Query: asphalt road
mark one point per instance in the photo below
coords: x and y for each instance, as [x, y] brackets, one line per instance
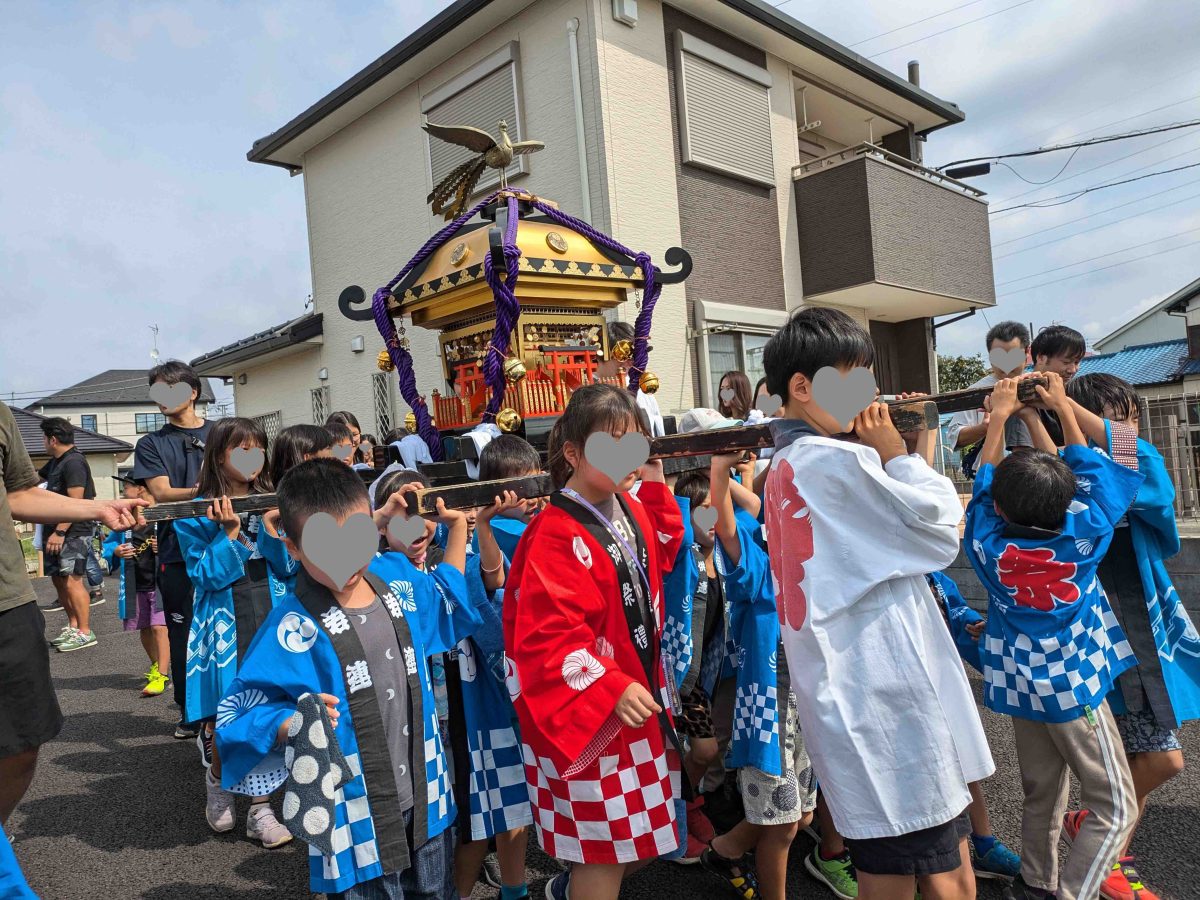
[117, 808]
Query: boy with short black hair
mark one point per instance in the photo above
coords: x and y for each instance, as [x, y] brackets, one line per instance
[1037, 529]
[344, 447]
[362, 643]
[168, 462]
[887, 714]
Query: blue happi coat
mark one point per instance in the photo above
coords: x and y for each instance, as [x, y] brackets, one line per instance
[498, 794]
[753, 628]
[280, 564]
[958, 616]
[214, 564]
[293, 655]
[1052, 649]
[1156, 539]
[126, 604]
[679, 589]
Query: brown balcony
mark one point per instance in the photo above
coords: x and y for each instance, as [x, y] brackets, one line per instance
[881, 232]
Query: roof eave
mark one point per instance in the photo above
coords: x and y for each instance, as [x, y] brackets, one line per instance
[265, 148]
[297, 333]
[429, 33]
[784, 24]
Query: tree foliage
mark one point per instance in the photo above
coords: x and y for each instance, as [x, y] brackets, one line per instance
[958, 372]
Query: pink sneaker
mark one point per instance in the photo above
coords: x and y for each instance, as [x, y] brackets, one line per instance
[218, 809]
[261, 825]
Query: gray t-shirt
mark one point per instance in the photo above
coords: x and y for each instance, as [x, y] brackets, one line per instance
[385, 662]
[1015, 432]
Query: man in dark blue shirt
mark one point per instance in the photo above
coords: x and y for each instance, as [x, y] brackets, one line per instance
[168, 462]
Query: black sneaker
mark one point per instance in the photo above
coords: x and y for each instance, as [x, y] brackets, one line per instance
[52, 606]
[96, 596]
[184, 731]
[204, 742]
[737, 873]
[1019, 890]
[489, 872]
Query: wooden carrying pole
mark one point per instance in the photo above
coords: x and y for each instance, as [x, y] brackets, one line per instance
[917, 414]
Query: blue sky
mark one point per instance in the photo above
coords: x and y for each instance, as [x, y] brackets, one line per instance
[127, 200]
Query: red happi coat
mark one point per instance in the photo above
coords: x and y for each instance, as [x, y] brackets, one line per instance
[601, 792]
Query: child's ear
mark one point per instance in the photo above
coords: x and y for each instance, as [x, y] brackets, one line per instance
[799, 388]
[291, 547]
[571, 454]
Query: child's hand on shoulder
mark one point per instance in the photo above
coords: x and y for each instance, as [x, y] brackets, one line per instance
[975, 629]
[636, 706]
[874, 428]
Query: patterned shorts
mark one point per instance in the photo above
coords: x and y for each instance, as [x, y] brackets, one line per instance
[695, 716]
[1141, 733]
[771, 800]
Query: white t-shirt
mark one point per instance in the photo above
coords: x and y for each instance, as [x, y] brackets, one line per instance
[886, 710]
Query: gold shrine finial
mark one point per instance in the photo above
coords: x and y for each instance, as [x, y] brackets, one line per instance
[454, 192]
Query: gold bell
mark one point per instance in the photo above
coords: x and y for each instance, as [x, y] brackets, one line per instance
[648, 383]
[410, 423]
[384, 361]
[514, 370]
[508, 420]
[622, 350]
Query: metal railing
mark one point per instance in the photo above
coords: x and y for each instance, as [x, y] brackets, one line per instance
[1172, 424]
[849, 154]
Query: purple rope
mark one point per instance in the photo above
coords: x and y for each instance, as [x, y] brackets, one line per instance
[508, 308]
[650, 290]
[400, 357]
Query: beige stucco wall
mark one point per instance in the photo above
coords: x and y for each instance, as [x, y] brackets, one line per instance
[643, 203]
[115, 421]
[365, 189]
[283, 385]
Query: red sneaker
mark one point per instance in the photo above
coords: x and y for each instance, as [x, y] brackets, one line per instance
[698, 824]
[1124, 883]
[1072, 822]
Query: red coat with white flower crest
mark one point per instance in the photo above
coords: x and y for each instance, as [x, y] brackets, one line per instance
[569, 658]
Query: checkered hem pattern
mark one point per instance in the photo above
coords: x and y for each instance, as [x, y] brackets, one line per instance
[619, 810]
[499, 798]
[756, 713]
[677, 646]
[437, 774]
[1054, 678]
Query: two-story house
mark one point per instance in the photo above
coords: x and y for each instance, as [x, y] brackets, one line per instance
[786, 164]
[115, 403]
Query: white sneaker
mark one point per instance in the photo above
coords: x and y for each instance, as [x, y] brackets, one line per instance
[261, 825]
[218, 809]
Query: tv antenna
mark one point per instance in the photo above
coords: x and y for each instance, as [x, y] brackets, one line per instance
[154, 352]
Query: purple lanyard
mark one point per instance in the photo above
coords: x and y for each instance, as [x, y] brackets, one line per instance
[608, 525]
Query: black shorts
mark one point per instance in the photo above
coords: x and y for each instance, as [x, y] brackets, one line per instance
[929, 851]
[29, 713]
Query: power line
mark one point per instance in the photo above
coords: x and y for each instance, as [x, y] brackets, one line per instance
[1098, 227]
[1132, 171]
[946, 30]
[1038, 204]
[1094, 258]
[1090, 142]
[1100, 269]
[1098, 212]
[1052, 178]
[910, 24]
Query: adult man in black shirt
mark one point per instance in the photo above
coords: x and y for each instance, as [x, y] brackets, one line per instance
[68, 546]
[168, 462]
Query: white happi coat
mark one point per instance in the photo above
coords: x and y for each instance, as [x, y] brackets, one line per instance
[886, 710]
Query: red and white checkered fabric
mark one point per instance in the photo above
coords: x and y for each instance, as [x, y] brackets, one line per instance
[618, 810]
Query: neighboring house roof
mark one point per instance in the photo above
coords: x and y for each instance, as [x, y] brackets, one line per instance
[458, 13]
[1175, 303]
[294, 331]
[30, 426]
[116, 386]
[1143, 364]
